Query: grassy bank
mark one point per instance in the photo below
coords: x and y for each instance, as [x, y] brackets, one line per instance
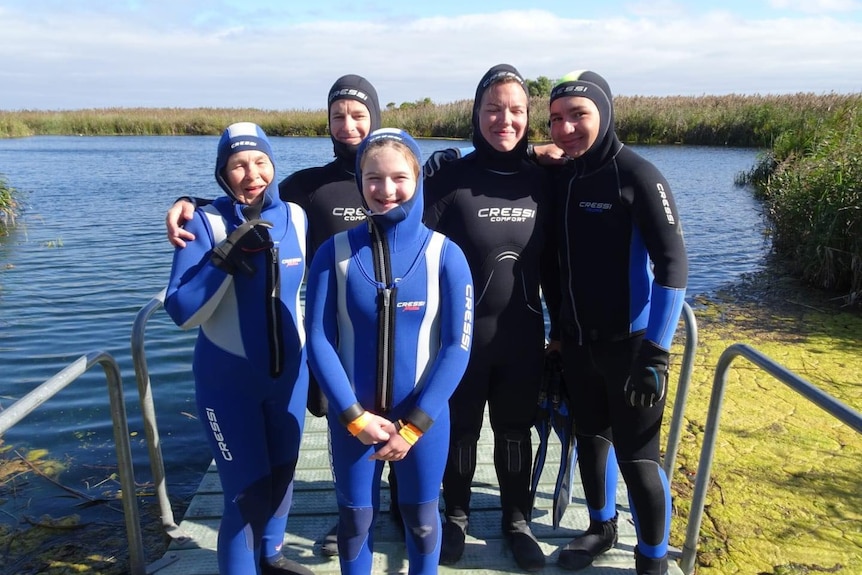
[784, 495]
[732, 120]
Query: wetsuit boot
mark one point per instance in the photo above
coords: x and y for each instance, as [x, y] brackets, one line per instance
[457, 481]
[580, 551]
[528, 555]
[281, 565]
[512, 460]
[453, 539]
[329, 544]
[650, 565]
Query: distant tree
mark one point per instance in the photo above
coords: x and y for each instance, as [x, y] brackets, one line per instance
[541, 86]
[390, 106]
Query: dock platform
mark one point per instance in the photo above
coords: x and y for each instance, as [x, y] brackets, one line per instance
[314, 512]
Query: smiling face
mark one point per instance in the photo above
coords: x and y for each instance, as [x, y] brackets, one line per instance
[349, 121]
[503, 115]
[575, 123]
[389, 176]
[248, 173]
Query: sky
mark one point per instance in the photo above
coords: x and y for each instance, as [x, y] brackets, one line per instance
[285, 54]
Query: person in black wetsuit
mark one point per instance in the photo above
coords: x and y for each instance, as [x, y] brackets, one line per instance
[492, 203]
[624, 271]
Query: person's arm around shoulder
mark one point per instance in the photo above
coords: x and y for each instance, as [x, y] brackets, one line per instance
[547, 154]
[176, 218]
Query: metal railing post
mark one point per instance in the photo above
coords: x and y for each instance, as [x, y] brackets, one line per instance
[148, 414]
[675, 430]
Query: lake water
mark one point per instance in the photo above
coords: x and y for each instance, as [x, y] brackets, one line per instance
[90, 251]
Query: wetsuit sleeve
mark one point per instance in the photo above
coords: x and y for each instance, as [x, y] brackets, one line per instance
[198, 202]
[438, 197]
[321, 308]
[456, 334]
[290, 191]
[657, 217]
[196, 285]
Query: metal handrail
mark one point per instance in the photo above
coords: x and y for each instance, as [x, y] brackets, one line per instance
[27, 404]
[823, 400]
[148, 415]
[675, 430]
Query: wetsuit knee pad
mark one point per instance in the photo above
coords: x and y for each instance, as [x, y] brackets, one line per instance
[513, 451]
[597, 460]
[255, 505]
[649, 497]
[354, 525]
[422, 521]
[282, 489]
[462, 457]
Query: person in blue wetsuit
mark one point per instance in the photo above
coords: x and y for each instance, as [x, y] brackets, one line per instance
[389, 307]
[239, 283]
[624, 270]
[494, 204]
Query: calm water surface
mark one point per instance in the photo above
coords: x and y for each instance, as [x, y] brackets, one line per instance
[90, 251]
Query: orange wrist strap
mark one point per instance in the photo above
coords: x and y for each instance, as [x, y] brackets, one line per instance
[356, 426]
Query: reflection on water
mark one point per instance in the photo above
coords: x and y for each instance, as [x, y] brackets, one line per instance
[90, 251]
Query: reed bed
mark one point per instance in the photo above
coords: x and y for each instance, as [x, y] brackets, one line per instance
[8, 205]
[811, 184]
[731, 120]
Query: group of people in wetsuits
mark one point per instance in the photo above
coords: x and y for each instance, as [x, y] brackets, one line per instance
[447, 262]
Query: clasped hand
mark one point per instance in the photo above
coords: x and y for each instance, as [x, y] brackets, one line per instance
[381, 431]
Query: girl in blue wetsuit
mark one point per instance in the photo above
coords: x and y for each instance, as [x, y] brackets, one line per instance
[239, 282]
[389, 311]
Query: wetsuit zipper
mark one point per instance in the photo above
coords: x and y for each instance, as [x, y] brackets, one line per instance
[386, 293]
[273, 313]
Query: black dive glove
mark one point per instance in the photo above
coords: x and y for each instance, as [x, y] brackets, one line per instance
[235, 253]
[647, 382]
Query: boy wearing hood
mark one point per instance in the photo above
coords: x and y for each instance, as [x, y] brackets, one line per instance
[624, 270]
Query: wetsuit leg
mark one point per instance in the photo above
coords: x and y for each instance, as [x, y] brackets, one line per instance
[419, 476]
[285, 417]
[587, 370]
[467, 409]
[357, 489]
[586, 385]
[253, 427]
[512, 398]
[229, 406]
[637, 443]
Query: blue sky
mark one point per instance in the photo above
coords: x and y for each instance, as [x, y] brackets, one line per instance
[280, 55]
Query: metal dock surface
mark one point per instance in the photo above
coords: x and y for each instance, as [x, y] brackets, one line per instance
[314, 513]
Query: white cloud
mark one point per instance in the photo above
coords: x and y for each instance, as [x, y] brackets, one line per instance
[63, 60]
[818, 6]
